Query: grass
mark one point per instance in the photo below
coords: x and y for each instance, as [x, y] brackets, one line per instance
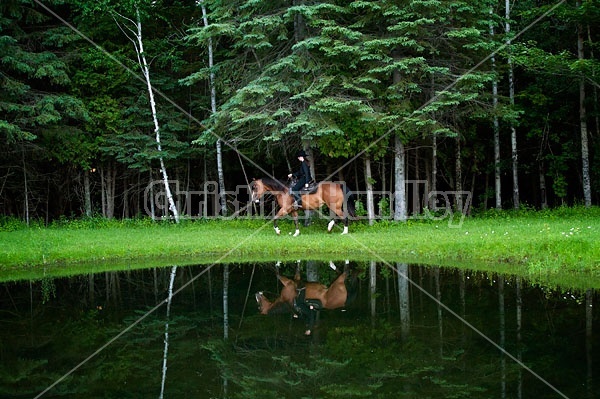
[559, 245]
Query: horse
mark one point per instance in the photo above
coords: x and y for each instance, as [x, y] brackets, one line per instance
[332, 194]
[307, 298]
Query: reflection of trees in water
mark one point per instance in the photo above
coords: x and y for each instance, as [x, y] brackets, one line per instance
[401, 347]
[352, 362]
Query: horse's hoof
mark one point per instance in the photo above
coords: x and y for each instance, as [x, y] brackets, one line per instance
[277, 231]
[345, 230]
[297, 233]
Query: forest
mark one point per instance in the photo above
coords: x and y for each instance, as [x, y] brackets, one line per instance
[103, 101]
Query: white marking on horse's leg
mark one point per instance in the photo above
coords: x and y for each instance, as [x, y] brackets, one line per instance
[345, 230]
[330, 225]
[297, 233]
[277, 231]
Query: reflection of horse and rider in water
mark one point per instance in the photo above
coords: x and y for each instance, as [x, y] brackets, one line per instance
[306, 298]
[304, 193]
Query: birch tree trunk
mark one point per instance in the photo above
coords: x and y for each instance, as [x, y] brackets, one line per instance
[87, 195]
[225, 301]
[459, 184]
[404, 299]
[373, 290]
[138, 43]
[519, 317]
[594, 87]
[213, 109]
[146, 72]
[368, 180]
[589, 322]
[496, 128]
[108, 176]
[166, 346]
[502, 331]
[400, 180]
[585, 152]
[434, 149]
[513, 130]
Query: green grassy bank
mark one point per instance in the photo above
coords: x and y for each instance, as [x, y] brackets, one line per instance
[558, 245]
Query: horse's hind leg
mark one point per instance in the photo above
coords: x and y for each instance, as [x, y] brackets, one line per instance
[339, 213]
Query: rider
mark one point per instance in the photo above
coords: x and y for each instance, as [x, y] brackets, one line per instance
[303, 176]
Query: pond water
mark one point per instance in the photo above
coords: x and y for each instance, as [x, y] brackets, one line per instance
[441, 333]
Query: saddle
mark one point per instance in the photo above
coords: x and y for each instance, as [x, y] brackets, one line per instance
[303, 306]
[309, 188]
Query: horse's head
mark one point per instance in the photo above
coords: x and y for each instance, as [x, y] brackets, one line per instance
[263, 303]
[258, 189]
[282, 304]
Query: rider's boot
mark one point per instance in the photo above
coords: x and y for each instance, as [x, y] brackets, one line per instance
[297, 201]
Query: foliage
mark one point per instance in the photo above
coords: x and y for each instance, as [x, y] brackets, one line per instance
[340, 77]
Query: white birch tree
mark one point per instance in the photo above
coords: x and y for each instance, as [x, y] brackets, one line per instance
[511, 94]
[213, 109]
[369, 184]
[496, 127]
[133, 30]
[400, 181]
[585, 152]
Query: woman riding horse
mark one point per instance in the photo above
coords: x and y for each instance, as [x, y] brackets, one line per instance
[308, 298]
[302, 177]
[335, 195]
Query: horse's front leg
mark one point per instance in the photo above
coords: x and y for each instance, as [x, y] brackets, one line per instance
[277, 231]
[295, 217]
[282, 212]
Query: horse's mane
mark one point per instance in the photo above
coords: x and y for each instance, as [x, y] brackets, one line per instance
[274, 184]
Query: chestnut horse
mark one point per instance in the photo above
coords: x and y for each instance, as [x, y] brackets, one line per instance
[332, 194]
[307, 298]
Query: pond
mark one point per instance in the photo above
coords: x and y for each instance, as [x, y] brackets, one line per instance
[410, 332]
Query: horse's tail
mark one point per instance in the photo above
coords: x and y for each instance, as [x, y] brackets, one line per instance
[349, 199]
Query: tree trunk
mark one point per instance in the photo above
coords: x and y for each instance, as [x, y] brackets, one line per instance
[404, 299]
[440, 314]
[459, 186]
[125, 212]
[213, 109]
[373, 289]
[519, 317]
[594, 87]
[496, 127]
[585, 152]
[87, 193]
[513, 130]
[399, 181]
[369, 184]
[502, 332]
[166, 340]
[589, 334]
[26, 188]
[108, 177]
[226, 301]
[146, 72]
[434, 160]
[543, 194]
